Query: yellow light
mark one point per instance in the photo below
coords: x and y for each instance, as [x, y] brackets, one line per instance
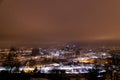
[38, 66]
[29, 70]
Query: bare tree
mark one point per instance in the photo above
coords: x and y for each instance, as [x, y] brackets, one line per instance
[11, 60]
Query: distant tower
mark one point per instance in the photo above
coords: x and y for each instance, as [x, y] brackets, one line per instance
[35, 52]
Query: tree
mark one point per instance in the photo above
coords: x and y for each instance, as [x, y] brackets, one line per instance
[11, 60]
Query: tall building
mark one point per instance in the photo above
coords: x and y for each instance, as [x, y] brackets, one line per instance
[35, 52]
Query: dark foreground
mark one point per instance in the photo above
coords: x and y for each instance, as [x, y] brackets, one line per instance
[24, 76]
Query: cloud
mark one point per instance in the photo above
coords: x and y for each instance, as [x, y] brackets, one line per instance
[53, 21]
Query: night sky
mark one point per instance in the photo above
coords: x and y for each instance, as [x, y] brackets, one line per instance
[36, 22]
